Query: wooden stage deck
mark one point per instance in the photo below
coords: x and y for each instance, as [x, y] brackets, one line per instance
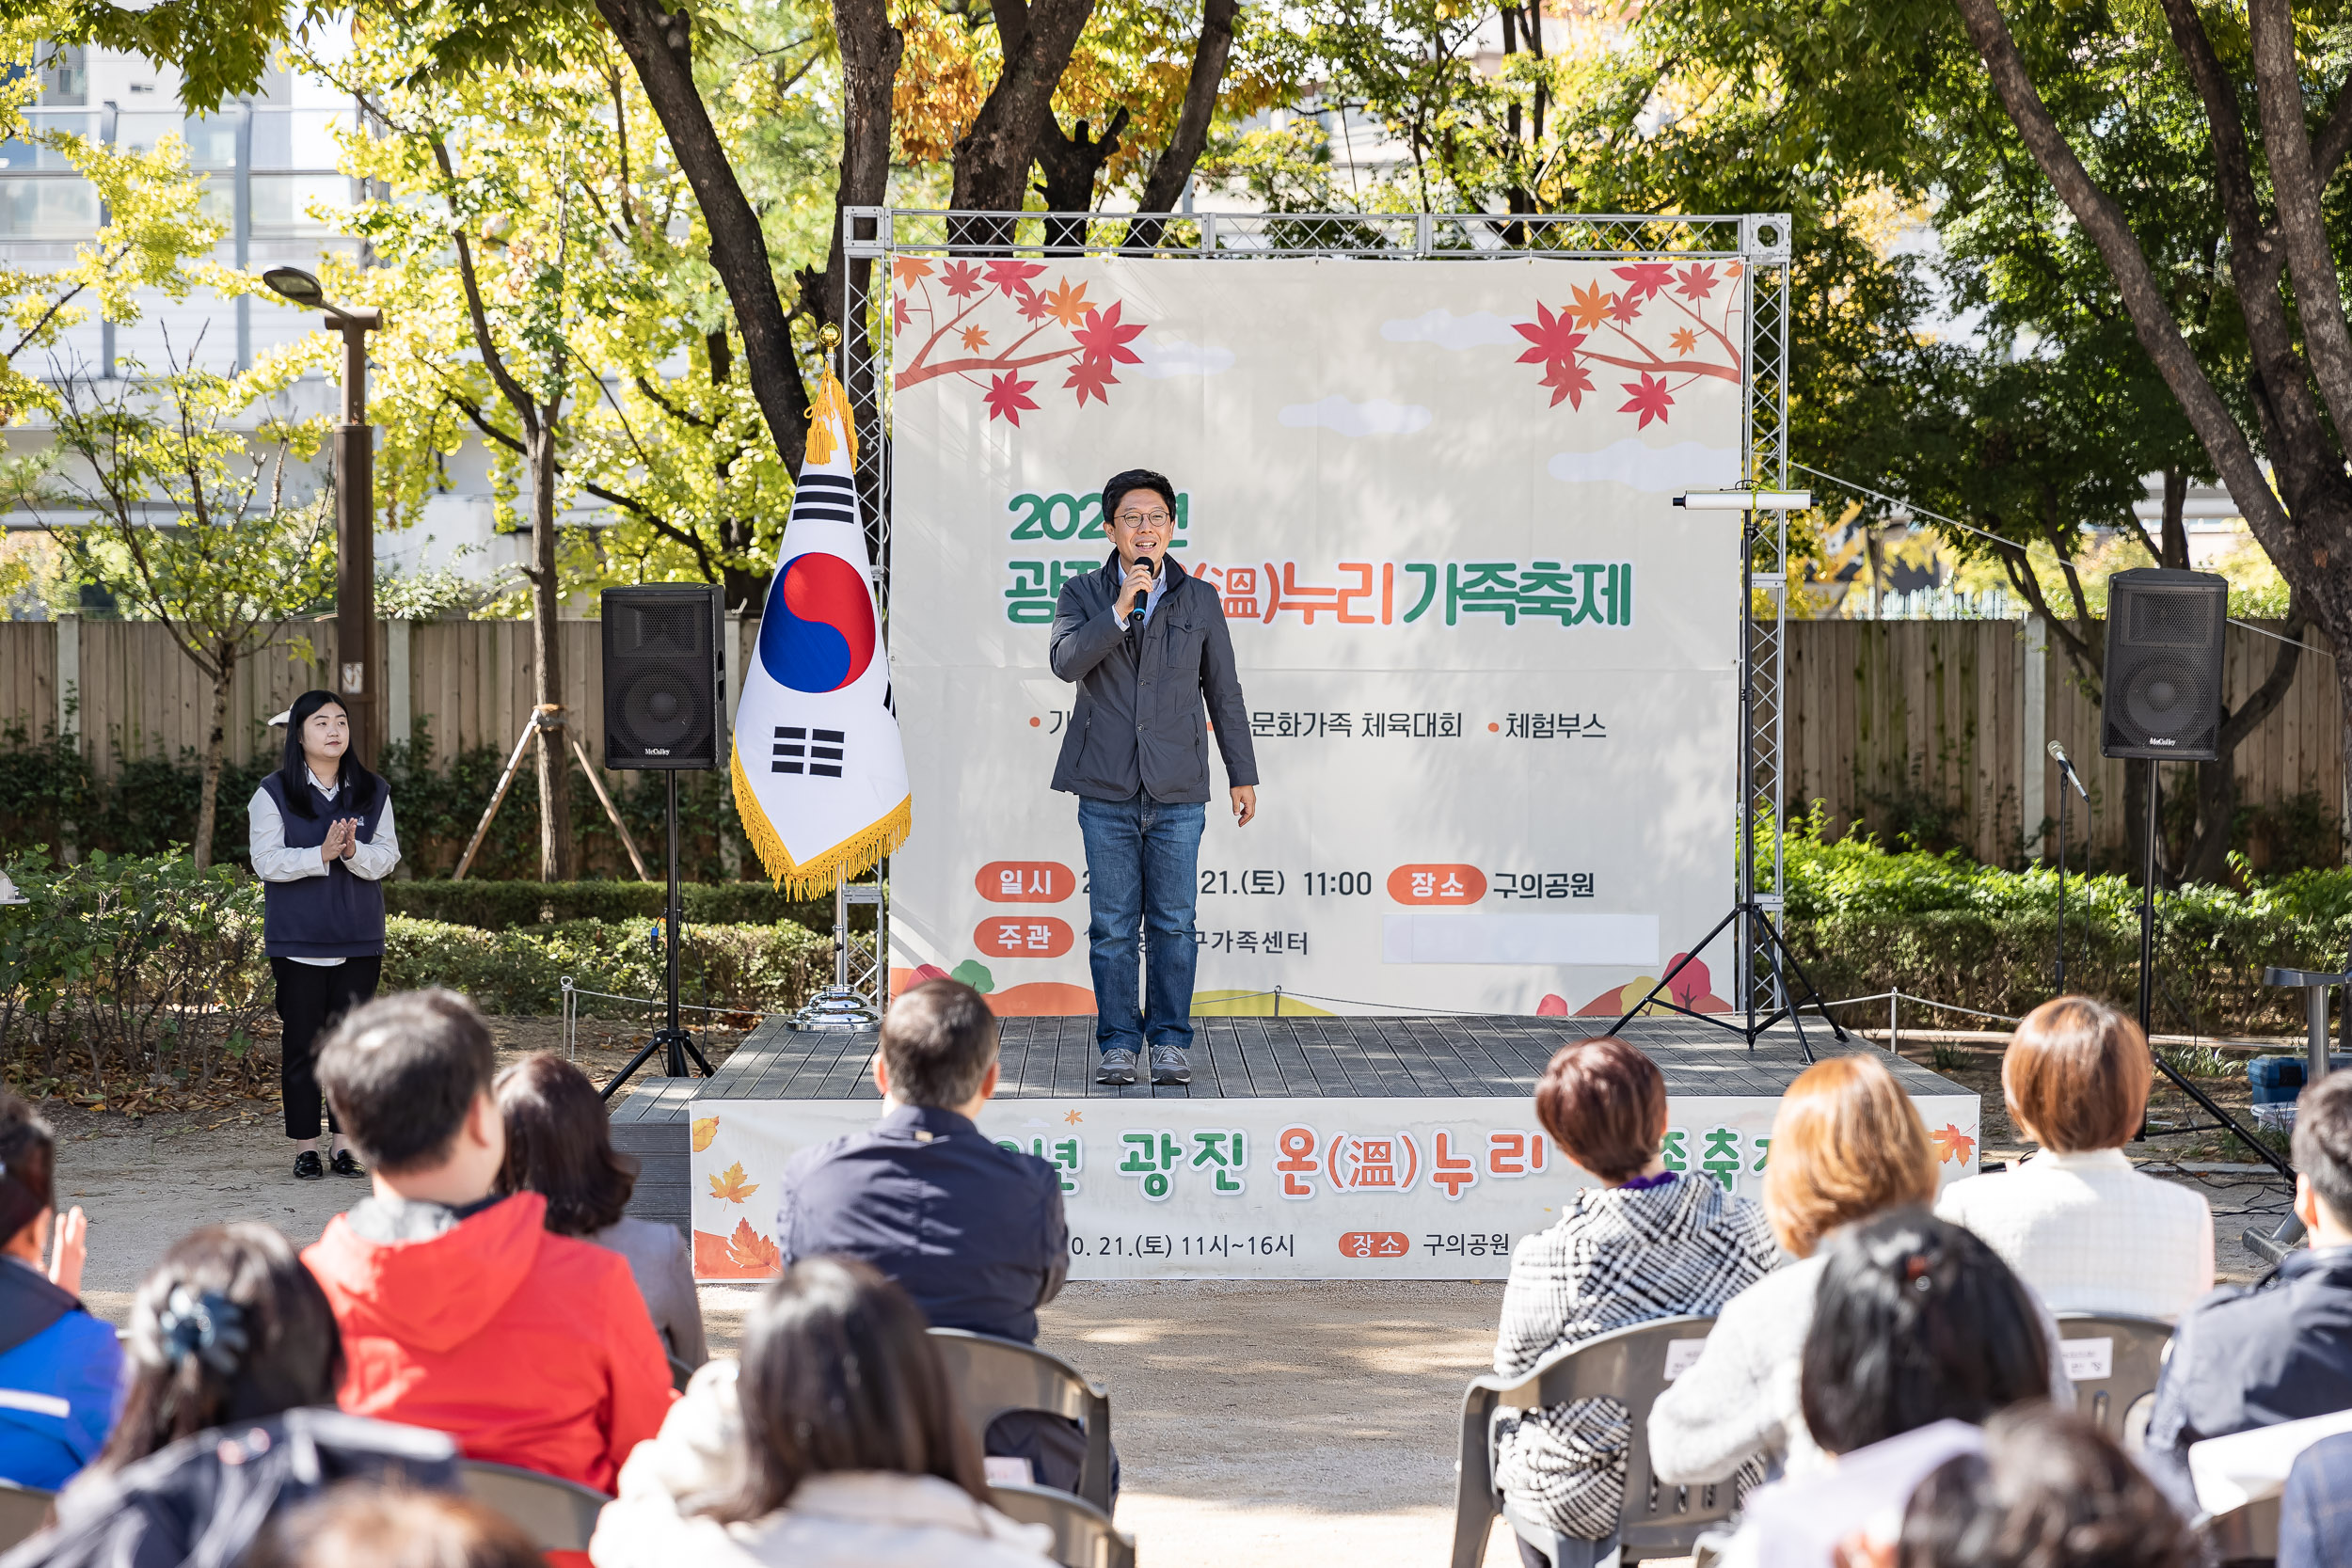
[1425, 1056]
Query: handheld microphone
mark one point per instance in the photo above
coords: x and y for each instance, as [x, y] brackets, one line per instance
[2058, 754]
[1134, 615]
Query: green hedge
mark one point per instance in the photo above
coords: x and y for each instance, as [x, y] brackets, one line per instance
[1863, 918]
[756, 968]
[497, 906]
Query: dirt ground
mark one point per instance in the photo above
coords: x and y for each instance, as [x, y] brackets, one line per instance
[1257, 1422]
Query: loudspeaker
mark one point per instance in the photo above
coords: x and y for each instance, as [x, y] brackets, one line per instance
[665, 681]
[2163, 676]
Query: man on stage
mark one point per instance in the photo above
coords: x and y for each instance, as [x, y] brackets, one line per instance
[1146, 644]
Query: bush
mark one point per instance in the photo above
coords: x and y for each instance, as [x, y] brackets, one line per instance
[495, 906]
[1864, 919]
[131, 978]
[751, 968]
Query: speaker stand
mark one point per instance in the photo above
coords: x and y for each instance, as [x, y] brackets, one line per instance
[547, 716]
[674, 1044]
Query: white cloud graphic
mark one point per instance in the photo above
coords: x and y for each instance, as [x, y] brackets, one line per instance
[1377, 418]
[1479, 329]
[1685, 466]
[1165, 354]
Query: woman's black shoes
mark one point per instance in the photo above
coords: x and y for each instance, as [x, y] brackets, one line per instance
[343, 1164]
[306, 1166]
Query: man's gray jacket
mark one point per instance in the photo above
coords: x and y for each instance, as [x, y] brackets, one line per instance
[1138, 719]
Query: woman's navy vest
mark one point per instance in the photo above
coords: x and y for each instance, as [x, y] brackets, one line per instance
[335, 917]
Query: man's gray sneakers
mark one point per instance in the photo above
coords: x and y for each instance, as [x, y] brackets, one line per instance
[1118, 1066]
[1169, 1064]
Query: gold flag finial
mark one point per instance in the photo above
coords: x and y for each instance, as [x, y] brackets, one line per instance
[830, 337]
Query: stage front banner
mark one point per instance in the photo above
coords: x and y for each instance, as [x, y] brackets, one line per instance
[1282, 1189]
[1490, 666]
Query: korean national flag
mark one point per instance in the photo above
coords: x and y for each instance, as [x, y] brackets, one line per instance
[820, 779]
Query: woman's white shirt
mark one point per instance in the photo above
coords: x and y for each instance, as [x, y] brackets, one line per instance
[2091, 1234]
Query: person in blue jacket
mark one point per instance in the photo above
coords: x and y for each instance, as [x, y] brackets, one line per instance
[60, 1369]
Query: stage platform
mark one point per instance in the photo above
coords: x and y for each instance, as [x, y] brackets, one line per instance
[1410, 1124]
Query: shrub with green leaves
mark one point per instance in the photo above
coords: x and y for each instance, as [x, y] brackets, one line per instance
[767, 967]
[498, 906]
[129, 977]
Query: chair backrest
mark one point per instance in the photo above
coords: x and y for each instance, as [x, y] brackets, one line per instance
[24, 1511]
[1630, 1367]
[1084, 1536]
[2248, 1534]
[2119, 1359]
[993, 1376]
[559, 1516]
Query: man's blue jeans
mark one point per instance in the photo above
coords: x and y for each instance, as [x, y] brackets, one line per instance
[1143, 859]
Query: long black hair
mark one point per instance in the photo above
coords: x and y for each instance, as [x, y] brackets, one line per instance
[1916, 1320]
[559, 1143]
[839, 1374]
[229, 1327]
[28, 1163]
[354, 787]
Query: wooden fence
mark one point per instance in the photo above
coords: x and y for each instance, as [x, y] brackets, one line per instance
[1888, 722]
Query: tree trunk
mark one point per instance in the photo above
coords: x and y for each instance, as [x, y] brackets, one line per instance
[215, 744]
[1174, 167]
[547, 652]
[659, 45]
[1070, 163]
[2175, 550]
[992, 159]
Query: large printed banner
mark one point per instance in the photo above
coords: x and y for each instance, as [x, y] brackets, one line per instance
[1297, 1189]
[1488, 664]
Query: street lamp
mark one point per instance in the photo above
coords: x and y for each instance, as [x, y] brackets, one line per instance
[361, 685]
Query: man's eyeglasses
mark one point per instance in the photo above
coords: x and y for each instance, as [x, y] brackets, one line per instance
[1141, 519]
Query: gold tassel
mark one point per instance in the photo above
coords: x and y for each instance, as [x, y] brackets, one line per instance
[832, 402]
[844, 861]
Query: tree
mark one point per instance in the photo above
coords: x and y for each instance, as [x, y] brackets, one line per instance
[2281, 266]
[234, 556]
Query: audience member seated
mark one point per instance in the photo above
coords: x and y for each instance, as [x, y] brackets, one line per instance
[59, 1365]
[458, 1310]
[972, 1230]
[2280, 1350]
[359, 1526]
[1920, 1335]
[229, 1417]
[1645, 1244]
[2077, 1222]
[2315, 1510]
[1847, 1143]
[835, 1442]
[559, 1143]
[2049, 1490]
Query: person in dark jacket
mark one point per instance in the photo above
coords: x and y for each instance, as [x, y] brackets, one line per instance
[59, 1367]
[2246, 1357]
[321, 841]
[972, 1229]
[2316, 1510]
[1146, 644]
[233, 1351]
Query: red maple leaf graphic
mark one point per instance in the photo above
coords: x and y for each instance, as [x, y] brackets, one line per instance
[1569, 380]
[1105, 338]
[1695, 281]
[962, 279]
[1008, 395]
[1013, 277]
[898, 311]
[1625, 309]
[1650, 399]
[1554, 338]
[1645, 278]
[1033, 306]
[1088, 376]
